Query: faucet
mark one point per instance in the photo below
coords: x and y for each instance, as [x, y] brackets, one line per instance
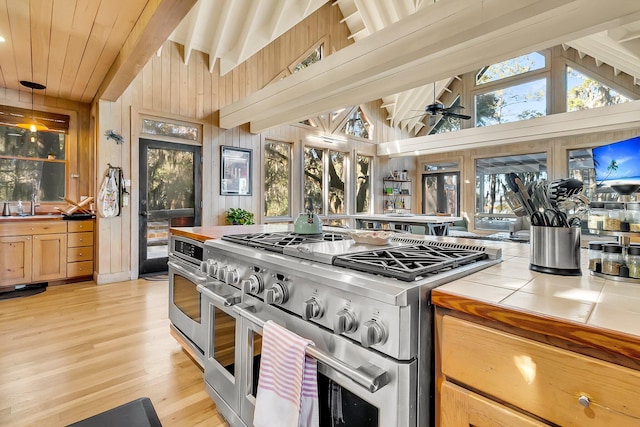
[34, 203]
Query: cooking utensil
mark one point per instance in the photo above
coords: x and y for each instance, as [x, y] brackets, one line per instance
[562, 189]
[514, 203]
[524, 194]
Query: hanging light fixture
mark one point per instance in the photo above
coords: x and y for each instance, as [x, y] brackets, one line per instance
[31, 123]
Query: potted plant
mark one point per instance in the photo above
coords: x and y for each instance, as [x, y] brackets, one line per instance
[239, 216]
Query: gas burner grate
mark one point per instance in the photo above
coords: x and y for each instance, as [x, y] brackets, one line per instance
[410, 262]
[276, 242]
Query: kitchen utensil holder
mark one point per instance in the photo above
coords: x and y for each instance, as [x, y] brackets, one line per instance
[555, 250]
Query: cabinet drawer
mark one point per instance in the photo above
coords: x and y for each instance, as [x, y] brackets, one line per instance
[538, 378]
[463, 408]
[80, 239]
[76, 226]
[84, 253]
[17, 228]
[77, 269]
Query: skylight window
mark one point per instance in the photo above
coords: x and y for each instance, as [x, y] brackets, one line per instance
[584, 93]
[511, 67]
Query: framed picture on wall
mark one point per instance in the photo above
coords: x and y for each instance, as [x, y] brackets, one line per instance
[235, 171]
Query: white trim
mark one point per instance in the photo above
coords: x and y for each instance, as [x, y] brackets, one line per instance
[615, 117]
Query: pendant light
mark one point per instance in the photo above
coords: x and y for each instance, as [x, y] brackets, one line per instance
[32, 124]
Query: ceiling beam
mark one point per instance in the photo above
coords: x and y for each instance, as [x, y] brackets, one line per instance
[613, 117]
[155, 24]
[441, 40]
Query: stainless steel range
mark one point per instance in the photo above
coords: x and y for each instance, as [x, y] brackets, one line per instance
[365, 307]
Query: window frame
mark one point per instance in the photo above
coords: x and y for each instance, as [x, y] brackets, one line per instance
[516, 80]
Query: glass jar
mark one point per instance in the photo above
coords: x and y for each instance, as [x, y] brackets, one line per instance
[611, 259]
[614, 216]
[633, 217]
[596, 215]
[633, 261]
[595, 256]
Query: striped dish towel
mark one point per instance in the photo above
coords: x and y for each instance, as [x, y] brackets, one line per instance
[288, 386]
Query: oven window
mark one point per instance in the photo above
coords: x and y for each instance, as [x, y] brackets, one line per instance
[186, 297]
[224, 340]
[338, 407]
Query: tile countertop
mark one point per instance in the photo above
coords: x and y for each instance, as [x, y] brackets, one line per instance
[588, 310]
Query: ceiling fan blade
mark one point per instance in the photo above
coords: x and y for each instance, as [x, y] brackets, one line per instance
[454, 107]
[456, 115]
[432, 120]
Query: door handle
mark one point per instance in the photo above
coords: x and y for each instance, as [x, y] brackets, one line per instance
[144, 213]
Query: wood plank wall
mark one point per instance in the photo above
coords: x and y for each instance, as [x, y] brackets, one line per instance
[169, 89]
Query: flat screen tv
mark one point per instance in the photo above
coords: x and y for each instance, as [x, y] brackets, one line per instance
[618, 164]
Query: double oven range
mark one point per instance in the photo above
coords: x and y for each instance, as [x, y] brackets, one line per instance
[366, 308]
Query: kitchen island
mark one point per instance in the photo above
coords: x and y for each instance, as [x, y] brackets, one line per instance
[515, 347]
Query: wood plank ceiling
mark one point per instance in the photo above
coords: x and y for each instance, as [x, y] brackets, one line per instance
[82, 49]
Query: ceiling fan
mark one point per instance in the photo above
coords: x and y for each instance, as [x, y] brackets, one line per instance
[435, 109]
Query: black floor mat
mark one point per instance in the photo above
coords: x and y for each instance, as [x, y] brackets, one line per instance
[24, 291]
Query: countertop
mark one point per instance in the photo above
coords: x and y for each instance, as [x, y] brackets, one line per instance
[593, 311]
[409, 218]
[37, 217]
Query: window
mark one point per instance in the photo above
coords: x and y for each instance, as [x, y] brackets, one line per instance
[317, 171]
[32, 163]
[441, 189]
[491, 207]
[513, 103]
[584, 92]
[176, 130]
[447, 123]
[511, 67]
[363, 184]
[314, 56]
[277, 178]
[357, 125]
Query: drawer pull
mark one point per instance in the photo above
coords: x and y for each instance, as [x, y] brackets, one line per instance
[584, 400]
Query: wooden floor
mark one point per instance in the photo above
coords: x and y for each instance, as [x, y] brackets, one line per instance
[79, 349]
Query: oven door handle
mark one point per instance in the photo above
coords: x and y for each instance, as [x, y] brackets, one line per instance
[369, 376]
[189, 274]
[225, 300]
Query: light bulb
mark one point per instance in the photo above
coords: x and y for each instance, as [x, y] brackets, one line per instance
[33, 128]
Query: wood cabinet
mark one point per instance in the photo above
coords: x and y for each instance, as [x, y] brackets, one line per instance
[49, 257]
[492, 377]
[15, 260]
[80, 249]
[45, 250]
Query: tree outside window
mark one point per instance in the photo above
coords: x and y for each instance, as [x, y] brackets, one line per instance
[277, 179]
[363, 184]
[584, 93]
[333, 173]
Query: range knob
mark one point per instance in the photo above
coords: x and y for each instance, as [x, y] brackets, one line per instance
[373, 332]
[221, 273]
[312, 309]
[233, 276]
[253, 285]
[345, 321]
[212, 268]
[276, 294]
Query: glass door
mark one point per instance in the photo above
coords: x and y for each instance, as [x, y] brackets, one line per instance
[440, 193]
[170, 195]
